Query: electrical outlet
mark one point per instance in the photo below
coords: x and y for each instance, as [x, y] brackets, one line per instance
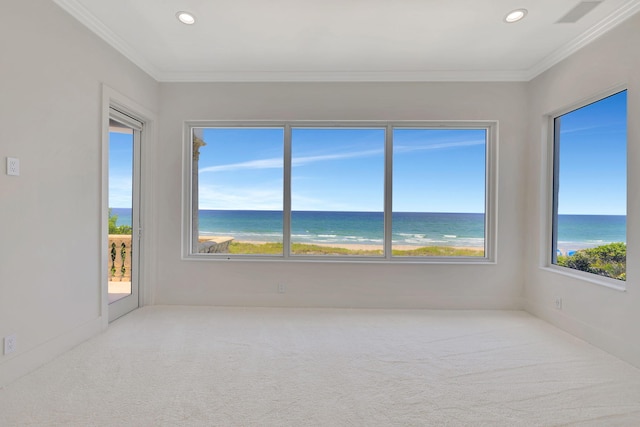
[281, 288]
[13, 166]
[558, 303]
[9, 344]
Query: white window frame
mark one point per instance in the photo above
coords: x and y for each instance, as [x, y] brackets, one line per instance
[491, 176]
[548, 217]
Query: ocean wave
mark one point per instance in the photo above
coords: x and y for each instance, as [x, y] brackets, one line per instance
[566, 246]
[409, 239]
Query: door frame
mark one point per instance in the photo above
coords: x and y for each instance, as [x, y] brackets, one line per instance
[113, 99]
[130, 302]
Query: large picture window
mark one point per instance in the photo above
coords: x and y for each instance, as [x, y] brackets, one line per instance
[378, 191]
[590, 188]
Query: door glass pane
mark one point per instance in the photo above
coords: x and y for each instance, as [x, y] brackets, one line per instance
[121, 145]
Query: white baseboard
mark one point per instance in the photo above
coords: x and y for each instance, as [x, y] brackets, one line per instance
[617, 346]
[30, 360]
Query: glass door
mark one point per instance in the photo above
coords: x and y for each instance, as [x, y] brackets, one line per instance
[124, 224]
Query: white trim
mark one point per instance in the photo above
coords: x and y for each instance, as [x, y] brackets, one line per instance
[113, 98]
[491, 190]
[15, 366]
[345, 76]
[132, 301]
[186, 242]
[623, 348]
[545, 214]
[607, 282]
[616, 18]
[78, 11]
[547, 192]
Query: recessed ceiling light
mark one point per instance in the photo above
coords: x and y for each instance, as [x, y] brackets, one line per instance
[186, 18]
[515, 16]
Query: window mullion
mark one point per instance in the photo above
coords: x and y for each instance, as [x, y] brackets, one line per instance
[286, 210]
[388, 191]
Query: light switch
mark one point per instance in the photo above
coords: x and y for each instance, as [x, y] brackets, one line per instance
[13, 166]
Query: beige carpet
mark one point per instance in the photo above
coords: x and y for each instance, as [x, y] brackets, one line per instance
[200, 366]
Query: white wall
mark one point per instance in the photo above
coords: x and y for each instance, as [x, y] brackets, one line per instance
[52, 69]
[603, 316]
[341, 284]
[51, 75]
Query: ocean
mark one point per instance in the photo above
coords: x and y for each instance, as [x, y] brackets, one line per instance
[416, 229]
[588, 231]
[410, 229]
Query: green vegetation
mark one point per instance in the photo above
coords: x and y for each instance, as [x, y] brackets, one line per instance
[308, 249]
[304, 249]
[439, 251]
[607, 260]
[117, 229]
[252, 249]
[296, 248]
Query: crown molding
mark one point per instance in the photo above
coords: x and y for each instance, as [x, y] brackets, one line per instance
[616, 18]
[80, 13]
[75, 9]
[345, 76]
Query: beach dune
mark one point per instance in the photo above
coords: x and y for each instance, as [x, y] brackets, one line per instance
[367, 247]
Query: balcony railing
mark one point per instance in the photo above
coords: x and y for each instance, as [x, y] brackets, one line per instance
[119, 258]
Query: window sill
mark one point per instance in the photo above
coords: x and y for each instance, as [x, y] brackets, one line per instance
[343, 260]
[614, 284]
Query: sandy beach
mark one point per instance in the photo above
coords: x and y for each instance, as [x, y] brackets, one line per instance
[355, 246]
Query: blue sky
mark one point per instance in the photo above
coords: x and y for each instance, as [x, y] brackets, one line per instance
[593, 170]
[439, 170]
[120, 169]
[241, 169]
[435, 170]
[343, 169]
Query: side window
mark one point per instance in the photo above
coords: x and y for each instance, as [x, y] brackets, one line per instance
[590, 188]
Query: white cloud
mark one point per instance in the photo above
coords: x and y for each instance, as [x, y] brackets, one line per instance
[252, 164]
[437, 146]
[305, 203]
[216, 197]
[299, 161]
[277, 163]
[120, 191]
[591, 128]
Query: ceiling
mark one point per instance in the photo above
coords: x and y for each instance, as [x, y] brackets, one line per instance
[345, 40]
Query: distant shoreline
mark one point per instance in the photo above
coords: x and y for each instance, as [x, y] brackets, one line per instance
[566, 247]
